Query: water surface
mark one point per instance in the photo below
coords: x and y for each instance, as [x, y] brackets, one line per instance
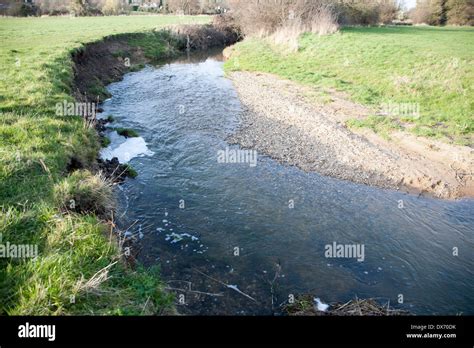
[211, 224]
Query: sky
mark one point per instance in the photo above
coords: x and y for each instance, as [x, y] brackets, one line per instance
[409, 3]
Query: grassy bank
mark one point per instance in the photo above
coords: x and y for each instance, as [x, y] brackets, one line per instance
[423, 67]
[78, 269]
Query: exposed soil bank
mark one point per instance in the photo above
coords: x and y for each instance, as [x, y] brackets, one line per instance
[283, 120]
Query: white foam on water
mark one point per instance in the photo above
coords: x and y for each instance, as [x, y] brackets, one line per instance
[322, 307]
[125, 149]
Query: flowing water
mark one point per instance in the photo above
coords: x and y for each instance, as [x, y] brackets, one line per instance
[215, 228]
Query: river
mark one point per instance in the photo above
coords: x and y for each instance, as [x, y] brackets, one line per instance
[241, 239]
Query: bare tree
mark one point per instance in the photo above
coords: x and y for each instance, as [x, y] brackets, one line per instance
[187, 7]
[265, 17]
[460, 12]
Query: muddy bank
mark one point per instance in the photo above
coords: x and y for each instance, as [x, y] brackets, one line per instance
[285, 121]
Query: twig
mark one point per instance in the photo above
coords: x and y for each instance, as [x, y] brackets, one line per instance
[272, 282]
[45, 168]
[189, 288]
[344, 305]
[194, 291]
[233, 287]
[146, 303]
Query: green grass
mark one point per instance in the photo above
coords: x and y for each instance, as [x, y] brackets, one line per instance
[98, 89]
[105, 141]
[168, 46]
[36, 146]
[127, 132]
[131, 171]
[426, 66]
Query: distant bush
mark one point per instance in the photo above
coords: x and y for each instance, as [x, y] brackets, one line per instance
[54, 7]
[115, 7]
[226, 24]
[367, 12]
[202, 37]
[388, 11]
[460, 12]
[21, 9]
[78, 7]
[185, 7]
[421, 14]
[62, 7]
[266, 17]
[193, 7]
[441, 12]
[438, 12]
[320, 16]
[285, 20]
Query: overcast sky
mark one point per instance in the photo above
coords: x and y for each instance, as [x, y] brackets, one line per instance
[410, 3]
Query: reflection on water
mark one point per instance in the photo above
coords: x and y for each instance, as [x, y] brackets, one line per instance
[212, 226]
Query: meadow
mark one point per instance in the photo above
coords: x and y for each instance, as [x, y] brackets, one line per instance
[77, 269]
[431, 68]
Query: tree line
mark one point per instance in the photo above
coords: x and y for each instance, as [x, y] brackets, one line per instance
[443, 12]
[258, 13]
[109, 7]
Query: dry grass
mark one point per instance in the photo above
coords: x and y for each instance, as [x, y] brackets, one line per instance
[304, 306]
[92, 285]
[288, 35]
[285, 19]
[285, 22]
[84, 192]
[323, 22]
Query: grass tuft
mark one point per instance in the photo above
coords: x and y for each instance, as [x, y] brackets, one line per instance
[131, 172]
[105, 141]
[127, 132]
[85, 193]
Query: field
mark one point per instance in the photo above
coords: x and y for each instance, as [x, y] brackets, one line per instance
[426, 68]
[77, 270]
